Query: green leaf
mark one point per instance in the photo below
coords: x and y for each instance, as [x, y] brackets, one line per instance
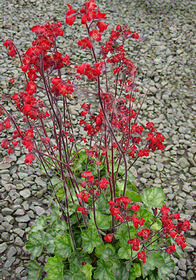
[35, 243]
[54, 268]
[153, 197]
[153, 275]
[162, 261]
[104, 270]
[101, 247]
[146, 215]
[121, 272]
[50, 237]
[107, 254]
[74, 273]
[134, 196]
[55, 181]
[102, 205]
[34, 270]
[157, 225]
[130, 185]
[60, 226]
[55, 214]
[137, 269]
[78, 257]
[103, 221]
[132, 275]
[61, 194]
[154, 260]
[123, 234]
[125, 252]
[87, 270]
[120, 185]
[167, 268]
[40, 224]
[63, 246]
[90, 239]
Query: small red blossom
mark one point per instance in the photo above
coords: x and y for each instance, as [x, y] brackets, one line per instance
[29, 158]
[108, 237]
[83, 196]
[135, 243]
[135, 207]
[165, 210]
[83, 210]
[103, 183]
[145, 232]
[70, 20]
[10, 151]
[4, 143]
[135, 35]
[95, 34]
[85, 43]
[170, 249]
[141, 255]
[137, 222]
[185, 226]
[102, 26]
[7, 123]
[180, 241]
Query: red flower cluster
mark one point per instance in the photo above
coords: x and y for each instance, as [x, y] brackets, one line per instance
[61, 88]
[108, 237]
[91, 188]
[169, 228]
[10, 45]
[145, 232]
[141, 255]
[135, 243]
[87, 13]
[91, 72]
[120, 210]
[94, 126]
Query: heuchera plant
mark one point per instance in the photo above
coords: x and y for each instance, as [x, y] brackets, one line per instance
[100, 227]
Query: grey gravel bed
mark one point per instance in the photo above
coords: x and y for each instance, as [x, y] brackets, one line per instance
[166, 67]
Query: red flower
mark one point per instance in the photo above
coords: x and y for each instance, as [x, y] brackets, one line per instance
[144, 233]
[7, 123]
[70, 20]
[170, 249]
[83, 196]
[135, 207]
[165, 210]
[102, 26]
[83, 19]
[141, 255]
[172, 234]
[180, 241]
[103, 183]
[137, 222]
[135, 35]
[108, 237]
[185, 226]
[83, 210]
[29, 158]
[95, 34]
[135, 243]
[66, 59]
[84, 43]
[4, 143]
[10, 151]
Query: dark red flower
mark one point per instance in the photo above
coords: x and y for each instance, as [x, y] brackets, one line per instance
[108, 237]
[141, 255]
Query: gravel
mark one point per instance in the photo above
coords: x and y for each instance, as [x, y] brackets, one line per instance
[165, 59]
